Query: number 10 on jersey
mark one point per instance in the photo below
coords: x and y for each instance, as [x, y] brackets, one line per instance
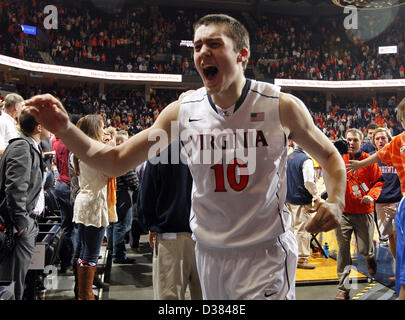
[230, 171]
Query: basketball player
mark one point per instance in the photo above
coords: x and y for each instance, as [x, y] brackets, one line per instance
[244, 247]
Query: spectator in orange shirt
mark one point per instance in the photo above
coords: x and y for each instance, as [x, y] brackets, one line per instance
[362, 189]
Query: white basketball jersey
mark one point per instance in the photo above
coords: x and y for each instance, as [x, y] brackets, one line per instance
[238, 164]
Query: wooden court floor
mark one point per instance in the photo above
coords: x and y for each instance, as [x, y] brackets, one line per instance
[325, 268]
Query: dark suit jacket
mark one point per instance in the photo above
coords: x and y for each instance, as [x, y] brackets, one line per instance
[164, 201]
[21, 172]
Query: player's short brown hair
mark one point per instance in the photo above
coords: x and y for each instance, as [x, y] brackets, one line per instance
[233, 29]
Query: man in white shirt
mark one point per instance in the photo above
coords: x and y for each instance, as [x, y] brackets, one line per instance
[8, 125]
[301, 191]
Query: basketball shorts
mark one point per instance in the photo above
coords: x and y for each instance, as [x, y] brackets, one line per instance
[258, 273]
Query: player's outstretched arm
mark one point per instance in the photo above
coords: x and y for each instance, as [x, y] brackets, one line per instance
[113, 161]
[299, 127]
[355, 165]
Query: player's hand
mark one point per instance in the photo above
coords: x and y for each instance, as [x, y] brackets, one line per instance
[353, 165]
[49, 112]
[327, 217]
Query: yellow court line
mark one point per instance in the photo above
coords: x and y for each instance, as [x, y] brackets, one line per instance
[365, 290]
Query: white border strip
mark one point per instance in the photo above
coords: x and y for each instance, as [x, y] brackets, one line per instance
[340, 84]
[88, 73]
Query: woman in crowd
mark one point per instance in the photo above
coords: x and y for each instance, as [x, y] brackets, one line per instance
[90, 210]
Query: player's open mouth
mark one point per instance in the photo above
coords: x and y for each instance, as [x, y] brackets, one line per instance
[210, 72]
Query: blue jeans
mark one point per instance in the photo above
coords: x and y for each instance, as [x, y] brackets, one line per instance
[91, 239]
[49, 180]
[62, 195]
[116, 231]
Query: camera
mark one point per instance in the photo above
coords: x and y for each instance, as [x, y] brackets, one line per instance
[341, 145]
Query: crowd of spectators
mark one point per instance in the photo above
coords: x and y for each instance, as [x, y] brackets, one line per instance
[347, 114]
[146, 39]
[295, 49]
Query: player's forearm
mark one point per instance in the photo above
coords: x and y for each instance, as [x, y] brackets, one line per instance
[114, 161]
[334, 174]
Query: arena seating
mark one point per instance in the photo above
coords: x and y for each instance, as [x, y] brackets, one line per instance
[50, 235]
[146, 39]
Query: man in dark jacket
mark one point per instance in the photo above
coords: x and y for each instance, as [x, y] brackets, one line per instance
[164, 203]
[301, 191]
[22, 198]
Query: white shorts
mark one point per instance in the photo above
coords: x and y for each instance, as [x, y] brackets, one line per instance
[259, 273]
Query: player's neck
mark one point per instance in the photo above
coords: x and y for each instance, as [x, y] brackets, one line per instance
[228, 97]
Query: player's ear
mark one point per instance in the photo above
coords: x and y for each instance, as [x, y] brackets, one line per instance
[243, 55]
